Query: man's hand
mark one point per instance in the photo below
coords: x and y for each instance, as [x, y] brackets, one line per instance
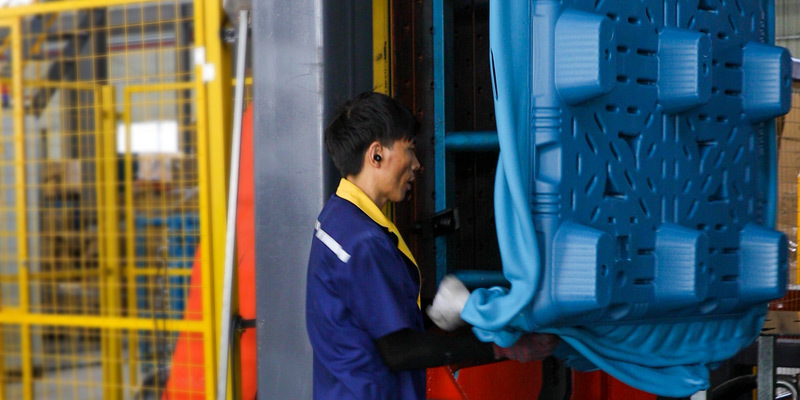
[445, 311]
[530, 347]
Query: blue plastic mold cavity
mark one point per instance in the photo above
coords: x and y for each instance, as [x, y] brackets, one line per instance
[635, 180]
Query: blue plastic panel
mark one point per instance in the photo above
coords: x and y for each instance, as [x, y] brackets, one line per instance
[636, 182]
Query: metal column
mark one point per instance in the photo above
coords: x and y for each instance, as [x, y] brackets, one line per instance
[766, 367]
[443, 121]
[309, 56]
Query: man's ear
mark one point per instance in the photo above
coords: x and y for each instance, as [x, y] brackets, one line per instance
[373, 155]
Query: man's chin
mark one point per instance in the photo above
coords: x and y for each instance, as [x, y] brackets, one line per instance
[406, 195]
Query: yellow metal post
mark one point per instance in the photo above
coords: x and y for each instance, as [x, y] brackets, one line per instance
[209, 339]
[382, 46]
[212, 149]
[381, 59]
[130, 237]
[109, 226]
[20, 179]
[218, 100]
[101, 251]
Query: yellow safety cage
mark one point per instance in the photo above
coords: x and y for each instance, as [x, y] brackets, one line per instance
[110, 165]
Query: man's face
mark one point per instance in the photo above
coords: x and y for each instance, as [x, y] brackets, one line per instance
[400, 165]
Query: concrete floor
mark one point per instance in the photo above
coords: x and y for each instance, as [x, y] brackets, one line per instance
[76, 382]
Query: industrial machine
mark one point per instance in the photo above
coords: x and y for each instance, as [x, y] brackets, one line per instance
[653, 167]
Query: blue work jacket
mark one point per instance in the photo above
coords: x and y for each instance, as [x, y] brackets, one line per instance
[363, 284]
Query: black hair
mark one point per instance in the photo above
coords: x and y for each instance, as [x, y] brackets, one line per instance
[368, 117]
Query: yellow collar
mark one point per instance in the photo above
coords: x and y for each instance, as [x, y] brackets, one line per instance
[352, 193]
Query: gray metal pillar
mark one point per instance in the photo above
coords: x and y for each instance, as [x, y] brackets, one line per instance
[766, 368]
[308, 56]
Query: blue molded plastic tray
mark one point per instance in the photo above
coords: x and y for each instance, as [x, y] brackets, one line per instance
[637, 180]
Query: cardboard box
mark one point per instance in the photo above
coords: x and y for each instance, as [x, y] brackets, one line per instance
[156, 168]
[60, 179]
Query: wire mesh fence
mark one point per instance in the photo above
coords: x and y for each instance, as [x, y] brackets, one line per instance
[100, 174]
[788, 128]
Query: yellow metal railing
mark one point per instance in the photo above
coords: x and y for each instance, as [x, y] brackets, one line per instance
[91, 278]
[382, 46]
[21, 201]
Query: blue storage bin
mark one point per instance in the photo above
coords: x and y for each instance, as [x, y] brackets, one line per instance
[182, 237]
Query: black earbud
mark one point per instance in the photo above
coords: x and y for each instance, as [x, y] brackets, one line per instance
[377, 157]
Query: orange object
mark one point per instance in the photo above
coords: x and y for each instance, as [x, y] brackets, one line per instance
[441, 385]
[187, 376]
[507, 380]
[246, 247]
[511, 380]
[598, 385]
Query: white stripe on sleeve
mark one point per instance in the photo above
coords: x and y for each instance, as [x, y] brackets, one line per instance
[334, 246]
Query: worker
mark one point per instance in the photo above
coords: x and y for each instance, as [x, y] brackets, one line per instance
[363, 311]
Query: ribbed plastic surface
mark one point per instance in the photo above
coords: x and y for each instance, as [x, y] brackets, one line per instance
[636, 178]
[659, 147]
